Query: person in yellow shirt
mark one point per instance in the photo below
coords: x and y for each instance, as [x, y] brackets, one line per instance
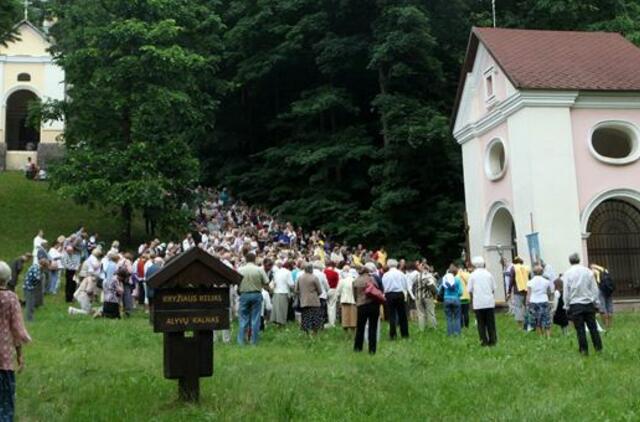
[356, 261]
[463, 275]
[519, 278]
[382, 256]
[319, 251]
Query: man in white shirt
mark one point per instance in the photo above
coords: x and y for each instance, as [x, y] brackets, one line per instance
[395, 286]
[581, 300]
[482, 288]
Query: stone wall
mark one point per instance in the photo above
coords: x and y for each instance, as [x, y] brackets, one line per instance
[48, 152]
[3, 156]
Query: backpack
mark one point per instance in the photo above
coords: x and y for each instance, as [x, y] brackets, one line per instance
[607, 286]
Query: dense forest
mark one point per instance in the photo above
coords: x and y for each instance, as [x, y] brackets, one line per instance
[333, 113]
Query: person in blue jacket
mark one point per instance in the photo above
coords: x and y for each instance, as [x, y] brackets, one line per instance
[451, 290]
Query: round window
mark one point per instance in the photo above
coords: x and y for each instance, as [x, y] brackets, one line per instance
[615, 143]
[495, 160]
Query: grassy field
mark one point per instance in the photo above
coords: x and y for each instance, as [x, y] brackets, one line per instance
[80, 369]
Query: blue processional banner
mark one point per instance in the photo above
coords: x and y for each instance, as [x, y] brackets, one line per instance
[533, 241]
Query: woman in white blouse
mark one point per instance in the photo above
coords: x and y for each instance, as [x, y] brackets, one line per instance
[282, 285]
[344, 292]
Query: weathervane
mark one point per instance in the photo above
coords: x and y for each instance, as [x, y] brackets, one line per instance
[26, 9]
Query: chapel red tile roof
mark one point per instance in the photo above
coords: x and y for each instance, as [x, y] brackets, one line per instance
[557, 60]
[594, 61]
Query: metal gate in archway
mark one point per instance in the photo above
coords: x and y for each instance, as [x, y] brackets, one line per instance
[614, 242]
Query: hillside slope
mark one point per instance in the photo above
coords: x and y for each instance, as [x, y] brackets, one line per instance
[26, 206]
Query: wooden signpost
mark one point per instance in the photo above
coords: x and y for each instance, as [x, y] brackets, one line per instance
[190, 300]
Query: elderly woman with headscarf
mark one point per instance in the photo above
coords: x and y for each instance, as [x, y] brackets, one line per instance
[368, 309]
[12, 336]
[309, 290]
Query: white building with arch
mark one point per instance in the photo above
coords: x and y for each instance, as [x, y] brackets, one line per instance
[27, 73]
[549, 126]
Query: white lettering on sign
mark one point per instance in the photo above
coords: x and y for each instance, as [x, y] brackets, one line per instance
[186, 320]
[192, 298]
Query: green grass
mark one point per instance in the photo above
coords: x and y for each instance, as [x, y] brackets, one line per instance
[80, 369]
[26, 206]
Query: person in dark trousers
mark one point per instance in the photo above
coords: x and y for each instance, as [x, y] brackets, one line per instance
[368, 311]
[71, 261]
[580, 294]
[395, 285]
[482, 288]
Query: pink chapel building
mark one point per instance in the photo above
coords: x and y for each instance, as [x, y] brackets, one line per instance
[549, 126]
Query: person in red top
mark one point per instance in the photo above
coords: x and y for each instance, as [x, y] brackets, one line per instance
[332, 298]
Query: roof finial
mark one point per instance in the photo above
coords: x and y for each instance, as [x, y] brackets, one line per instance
[493, 10]
[26, 9]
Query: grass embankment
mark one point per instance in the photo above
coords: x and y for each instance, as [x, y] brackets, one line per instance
[79, 369]
[26, 206]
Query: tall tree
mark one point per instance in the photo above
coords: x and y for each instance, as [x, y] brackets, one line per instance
[143, 88]
[339, 120]
[9, 15]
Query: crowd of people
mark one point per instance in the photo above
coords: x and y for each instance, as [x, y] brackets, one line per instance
[290, 276]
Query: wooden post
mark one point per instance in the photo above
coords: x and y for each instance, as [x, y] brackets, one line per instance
[189, 383]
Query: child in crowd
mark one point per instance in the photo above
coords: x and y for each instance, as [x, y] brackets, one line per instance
[560, 317]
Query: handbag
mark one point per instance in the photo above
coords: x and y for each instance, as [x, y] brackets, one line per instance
[373, 292]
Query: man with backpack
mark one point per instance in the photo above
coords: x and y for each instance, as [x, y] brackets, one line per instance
[606, 288]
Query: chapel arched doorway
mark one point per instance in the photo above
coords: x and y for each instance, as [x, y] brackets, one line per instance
[502, 247]
[19, 135]
[614, 242]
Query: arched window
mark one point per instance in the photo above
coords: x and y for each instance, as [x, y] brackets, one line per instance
[615, 142]
[24, 77]
[495, 162]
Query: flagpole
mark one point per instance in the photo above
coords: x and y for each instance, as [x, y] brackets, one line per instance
[493, 9]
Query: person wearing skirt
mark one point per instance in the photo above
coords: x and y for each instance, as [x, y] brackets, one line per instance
[282, 286]
[113, 290]
[309, 290]
[344, 292]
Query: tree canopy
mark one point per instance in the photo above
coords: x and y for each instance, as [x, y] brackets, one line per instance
[9, 16]
[141, 79]
[335, 114]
